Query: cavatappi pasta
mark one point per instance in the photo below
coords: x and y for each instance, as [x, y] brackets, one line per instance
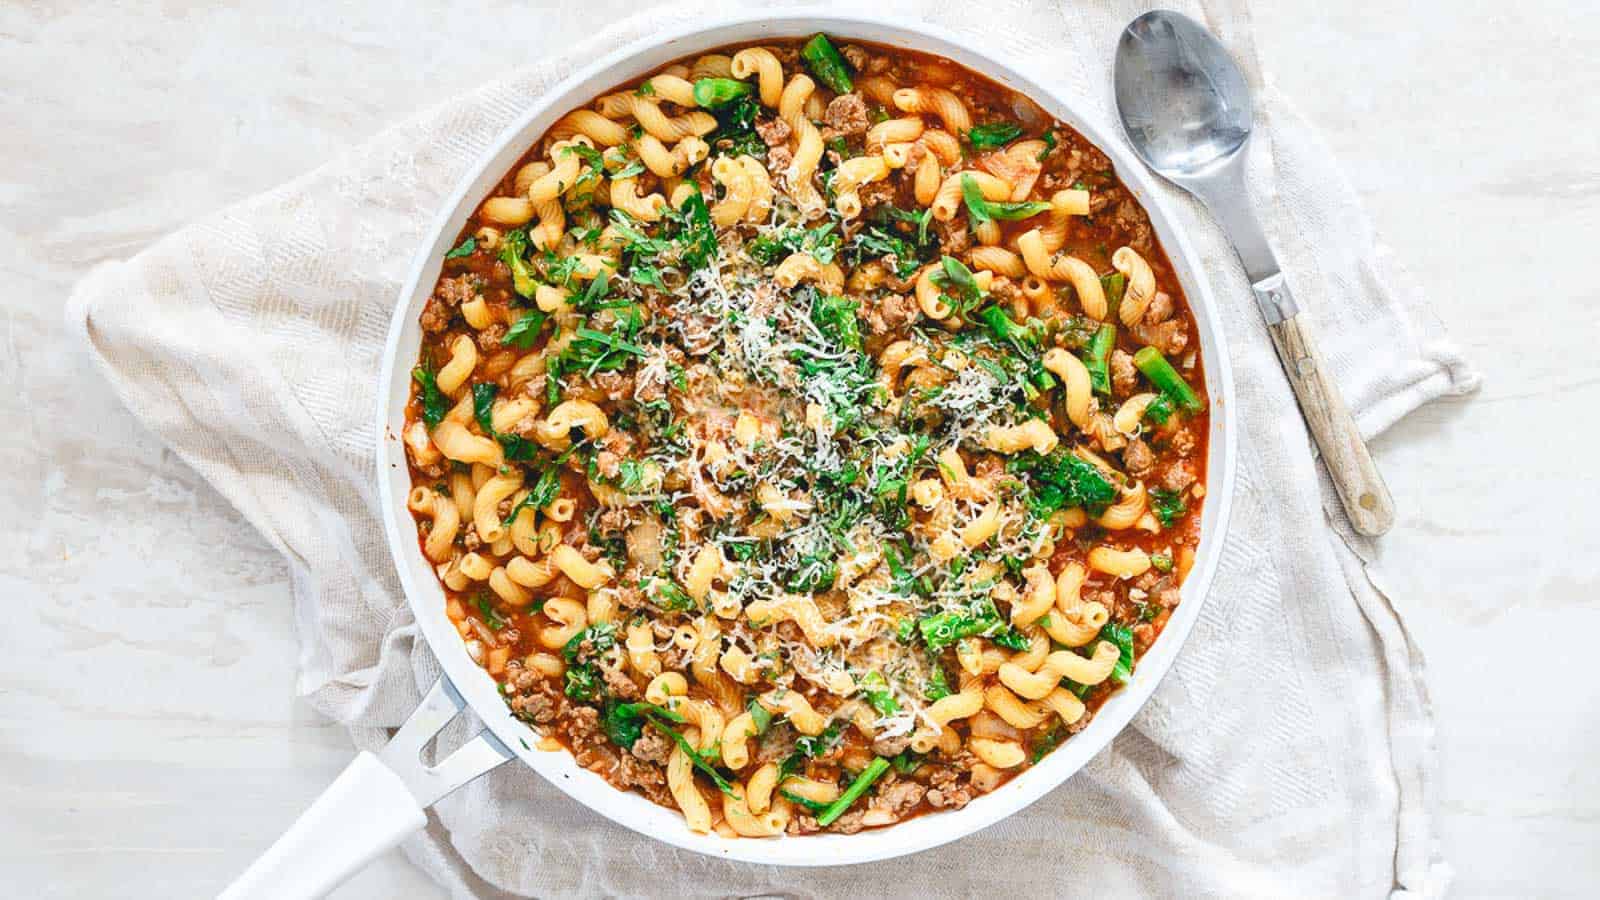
[808, 438]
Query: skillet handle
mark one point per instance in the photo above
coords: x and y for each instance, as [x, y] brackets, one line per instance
[374, 804]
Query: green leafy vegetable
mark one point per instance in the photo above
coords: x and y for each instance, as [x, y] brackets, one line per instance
[524, 330]
[1045, 743]
[1025, 338]
[817, 572]
[875, 241]
[955, 276]
[1114, 285]
[1097, 358]
[513, 246]
[938, 686]
[760, 716]
[1049, 144]
[465, 248]
[826, 63]
[820, 242]
[623, 723]
[1122, 636]
[836, 318]
[666, 594]
[600, 637]
[486, 609]
[434, 403]
[981, 210]
[992, 135]
[906, 762]
[1167, 380]
[736, 133]
[1161, 562]
[516, 446]
[696, 239]
[1159, 410]
[582, 682]
[1062, 480]
[815, 807]
[545, 487]
[1011, 639]
[1167, 505]
[876, 689]
[819, 744]
[871, 773]
[694, 755]
[942, 629]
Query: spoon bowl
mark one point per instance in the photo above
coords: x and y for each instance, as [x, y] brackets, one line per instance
[1184, 105]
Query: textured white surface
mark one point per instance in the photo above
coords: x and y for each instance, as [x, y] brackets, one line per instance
[150, 732]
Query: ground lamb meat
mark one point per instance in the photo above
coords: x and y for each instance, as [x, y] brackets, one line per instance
[1160, 308]
[489, 337]
[891, 746]
[778, 160]
[849, 823]
[774, 132]
[617, 386]
[450, 293]
[1130, 220]
[532, 697]
[846, 116]
[537, 708]
[653, 747]
[1183, 443]
[1005, 291]
[892, 313]
[1170, 337]
[954, 796]
[953, 236]
[652, 780]
[875, 194]
[1177, 477]
[582, 725]
[619, 684]
[1124, 377]
[1139, 458]
[614, 521]
[899, 799]
[435, 316]
[777, 744]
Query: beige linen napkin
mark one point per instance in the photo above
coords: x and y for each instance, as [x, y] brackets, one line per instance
[1288, 752]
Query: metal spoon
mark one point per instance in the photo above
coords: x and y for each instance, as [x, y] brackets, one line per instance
[1186, 110]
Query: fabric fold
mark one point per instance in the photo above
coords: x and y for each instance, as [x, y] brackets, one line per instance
[1288, 752]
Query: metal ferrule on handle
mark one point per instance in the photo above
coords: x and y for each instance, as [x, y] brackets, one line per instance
[1274, 299]
[374, 804]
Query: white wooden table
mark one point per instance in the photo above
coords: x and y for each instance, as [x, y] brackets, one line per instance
[149, 734]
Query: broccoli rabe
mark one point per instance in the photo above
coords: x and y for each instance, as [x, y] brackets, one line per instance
[513, 247]
[1167, 505]
[1061, 480]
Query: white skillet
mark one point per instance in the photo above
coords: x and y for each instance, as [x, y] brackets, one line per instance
[379, 799]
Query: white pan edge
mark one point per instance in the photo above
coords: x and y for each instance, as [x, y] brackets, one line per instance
[427, 599]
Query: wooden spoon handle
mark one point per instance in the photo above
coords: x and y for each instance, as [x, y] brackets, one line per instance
[1355, 475]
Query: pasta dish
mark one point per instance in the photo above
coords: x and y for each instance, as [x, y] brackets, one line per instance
[808, 436]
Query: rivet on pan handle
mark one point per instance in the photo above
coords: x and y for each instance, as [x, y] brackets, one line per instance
[374, 804]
